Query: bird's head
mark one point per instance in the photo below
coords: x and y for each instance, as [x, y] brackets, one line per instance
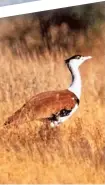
[76, 60]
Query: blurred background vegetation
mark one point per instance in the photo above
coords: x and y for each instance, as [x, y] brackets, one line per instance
[32, 52]
[52, 30]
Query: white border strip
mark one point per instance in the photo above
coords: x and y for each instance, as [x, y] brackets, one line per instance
[40, 5]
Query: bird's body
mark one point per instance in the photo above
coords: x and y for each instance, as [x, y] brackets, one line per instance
[55, 106]
[45, 105]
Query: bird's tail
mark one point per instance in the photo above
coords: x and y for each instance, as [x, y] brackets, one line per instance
[18, 117]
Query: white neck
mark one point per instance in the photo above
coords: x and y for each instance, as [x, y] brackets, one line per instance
[75, 87]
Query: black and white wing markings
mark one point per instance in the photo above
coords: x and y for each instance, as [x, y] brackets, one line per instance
[62, 113]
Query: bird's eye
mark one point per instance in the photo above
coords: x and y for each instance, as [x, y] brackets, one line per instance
[78, 57]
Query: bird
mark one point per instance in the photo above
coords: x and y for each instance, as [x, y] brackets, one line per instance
[54, 106]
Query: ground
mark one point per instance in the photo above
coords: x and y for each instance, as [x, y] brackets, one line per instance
[32, 61]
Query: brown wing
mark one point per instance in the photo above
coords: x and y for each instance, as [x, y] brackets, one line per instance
[44, 105]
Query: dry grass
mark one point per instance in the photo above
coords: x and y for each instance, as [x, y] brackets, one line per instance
[32, 152]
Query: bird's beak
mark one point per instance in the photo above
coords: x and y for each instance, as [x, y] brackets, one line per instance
[84, 59]
[87, 57]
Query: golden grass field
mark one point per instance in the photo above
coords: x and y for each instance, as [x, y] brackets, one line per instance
[30, 64]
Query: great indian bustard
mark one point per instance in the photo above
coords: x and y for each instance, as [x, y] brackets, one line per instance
[54, 106]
